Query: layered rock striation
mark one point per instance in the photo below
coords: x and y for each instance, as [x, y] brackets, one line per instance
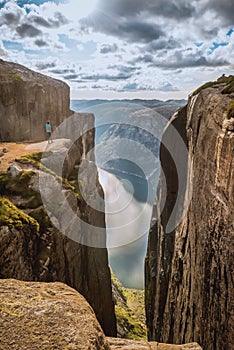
[189, 270]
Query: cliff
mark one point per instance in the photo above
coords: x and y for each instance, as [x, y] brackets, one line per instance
[189, 269]
[44, 316]
[44, 218]
[27, 100]
[32, 245]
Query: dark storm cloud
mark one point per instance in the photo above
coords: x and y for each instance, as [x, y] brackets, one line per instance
[223, 8]
[131, 30]
[43, 66]
[189, 61]
[56, 22]
[40, 43]
[109, 49]
[28, 30]
[162, 44]
[167, 8]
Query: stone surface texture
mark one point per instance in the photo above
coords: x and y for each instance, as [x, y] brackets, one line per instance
[189, 272]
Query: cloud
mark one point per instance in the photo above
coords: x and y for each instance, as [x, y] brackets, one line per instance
[71, 76]
[222, 8]
[27, 30]
[178, 60]
[62, 71]
[124, 69]
[109, 49]
[113, 77]
[130, 30]
[11, 14]
[55, 22]
[166, 8]
[163, 44]
[42, 66]
[167, 87]
[40, 43]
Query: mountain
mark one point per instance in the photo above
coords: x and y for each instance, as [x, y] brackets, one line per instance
[189, 264]
[82, 105]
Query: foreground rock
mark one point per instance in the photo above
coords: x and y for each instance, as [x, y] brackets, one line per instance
[42, 316]
[189, 271]
[45, 316]
[124, 344]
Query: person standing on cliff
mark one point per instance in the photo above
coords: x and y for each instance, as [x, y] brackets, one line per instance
[48, 131]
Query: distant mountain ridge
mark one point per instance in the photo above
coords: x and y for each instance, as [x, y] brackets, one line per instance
[80, 105]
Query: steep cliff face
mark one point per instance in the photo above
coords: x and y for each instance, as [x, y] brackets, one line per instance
[33, 249]
[27, 100]
[37, 250]
[189, 271]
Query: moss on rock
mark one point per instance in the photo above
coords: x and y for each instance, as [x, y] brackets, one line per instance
[20, 185]
[228, 89]
[230, 110]
[11, 216]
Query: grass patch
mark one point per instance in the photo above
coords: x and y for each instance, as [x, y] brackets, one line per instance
[35, 160]
[230, 110]
[228, 89]
[11, 216]
[130, 311]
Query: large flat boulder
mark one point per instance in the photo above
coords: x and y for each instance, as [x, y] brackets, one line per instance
[41, 316]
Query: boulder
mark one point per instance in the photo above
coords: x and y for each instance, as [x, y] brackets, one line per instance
[42, 316]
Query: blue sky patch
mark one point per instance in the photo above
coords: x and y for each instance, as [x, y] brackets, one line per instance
[229, 33]
[11, 45]
[216, 45]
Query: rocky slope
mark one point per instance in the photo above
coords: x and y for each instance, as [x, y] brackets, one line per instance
[27, 100]
[37, 250]
[130, 311]
[33, 247]
[189, 271]
[53, 316]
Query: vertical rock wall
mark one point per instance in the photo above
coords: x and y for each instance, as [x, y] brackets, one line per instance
[189, 272]
[27, 100]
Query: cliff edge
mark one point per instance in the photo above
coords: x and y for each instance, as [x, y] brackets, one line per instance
[27, 100]
[189, 271]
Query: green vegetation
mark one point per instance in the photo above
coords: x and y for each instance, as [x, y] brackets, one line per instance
[16, 76]
[228, 89]
[230, 110]
[11, 216]
[35, 158]
[130, 311]
[20, 185]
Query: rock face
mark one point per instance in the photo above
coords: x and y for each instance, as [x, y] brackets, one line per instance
[47, 316]
[43, 316]
[189, 271]
[123, 344]
[27, 100]
[38, 251]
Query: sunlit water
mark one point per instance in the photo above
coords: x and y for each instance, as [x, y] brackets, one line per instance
[127, 224]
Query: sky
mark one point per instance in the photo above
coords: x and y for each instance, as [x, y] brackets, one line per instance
[110, 49]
